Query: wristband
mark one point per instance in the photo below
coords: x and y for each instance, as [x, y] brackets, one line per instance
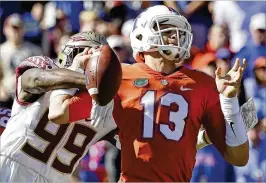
[229, 106]
[93, 91]
[235, 128]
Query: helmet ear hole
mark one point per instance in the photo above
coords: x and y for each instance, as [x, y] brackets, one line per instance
[139, 37]
[61, 59]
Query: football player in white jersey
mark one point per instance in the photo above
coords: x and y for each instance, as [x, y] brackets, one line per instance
[32, 148]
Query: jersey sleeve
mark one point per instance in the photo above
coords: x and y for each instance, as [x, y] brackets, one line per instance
[41, 62]
[18, 89]
[213, 119]
[80, 106]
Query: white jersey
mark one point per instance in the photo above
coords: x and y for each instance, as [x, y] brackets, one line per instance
[50, 150]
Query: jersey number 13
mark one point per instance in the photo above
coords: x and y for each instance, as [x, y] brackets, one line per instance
[148, 101]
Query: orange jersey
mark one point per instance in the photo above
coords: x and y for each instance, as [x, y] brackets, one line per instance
[159, 118]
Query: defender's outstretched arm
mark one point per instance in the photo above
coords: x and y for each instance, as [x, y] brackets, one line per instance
[37, 81]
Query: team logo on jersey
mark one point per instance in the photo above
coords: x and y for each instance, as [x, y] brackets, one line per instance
[141, 82]
[164, 82]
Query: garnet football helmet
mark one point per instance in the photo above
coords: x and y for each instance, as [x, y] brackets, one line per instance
[76, 44]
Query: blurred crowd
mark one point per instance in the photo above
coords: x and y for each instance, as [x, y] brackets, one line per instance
[222, 32]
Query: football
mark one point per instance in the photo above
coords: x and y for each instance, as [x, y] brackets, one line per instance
[103, 74]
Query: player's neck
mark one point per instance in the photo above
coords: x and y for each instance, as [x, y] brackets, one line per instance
[164, 67]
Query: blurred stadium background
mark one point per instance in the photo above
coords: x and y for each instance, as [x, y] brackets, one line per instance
[223, 31]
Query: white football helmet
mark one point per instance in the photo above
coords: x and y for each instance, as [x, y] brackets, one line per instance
[146, 34]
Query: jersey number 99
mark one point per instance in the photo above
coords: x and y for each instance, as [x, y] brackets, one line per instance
[53, 139]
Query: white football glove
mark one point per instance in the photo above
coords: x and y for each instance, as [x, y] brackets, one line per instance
[101, 114]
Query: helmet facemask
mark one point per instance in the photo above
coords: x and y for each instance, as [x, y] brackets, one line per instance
[180, 48]
[67, 54]
[152, 33]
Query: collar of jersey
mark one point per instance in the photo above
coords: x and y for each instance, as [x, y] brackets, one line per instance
[158, 75]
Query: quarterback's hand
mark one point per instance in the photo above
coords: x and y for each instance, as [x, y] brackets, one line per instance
[101, 114]
[229, 84]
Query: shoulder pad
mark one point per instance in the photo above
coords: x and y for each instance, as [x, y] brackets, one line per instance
[41, 62]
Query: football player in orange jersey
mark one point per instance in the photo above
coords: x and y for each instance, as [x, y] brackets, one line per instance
[159, 108]
[164, 106]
